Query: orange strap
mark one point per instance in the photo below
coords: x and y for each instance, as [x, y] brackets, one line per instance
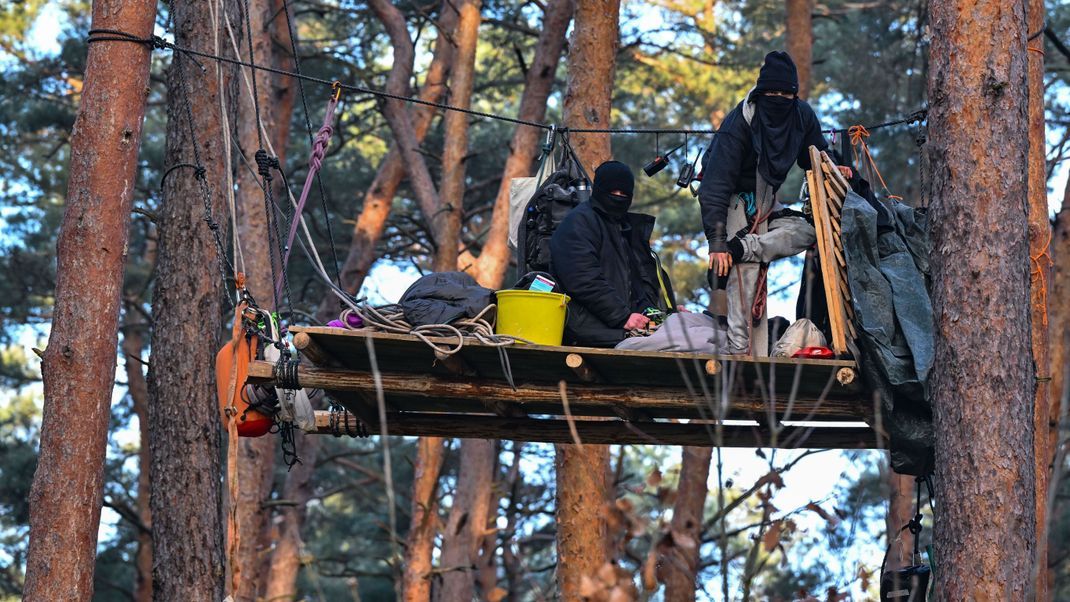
[232, 364]
[858, 134]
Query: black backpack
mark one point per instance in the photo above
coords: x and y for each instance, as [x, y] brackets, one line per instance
[563, 190]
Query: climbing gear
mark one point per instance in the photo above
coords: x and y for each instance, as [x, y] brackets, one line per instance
[909, 584]
[232, 370]
[319, 149]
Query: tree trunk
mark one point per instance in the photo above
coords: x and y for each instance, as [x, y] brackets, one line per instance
[79, 363]
[380, 196]
[982, 378]
[1059, 319]
[138, 388]
[901, 501]
[800, 40]
[397, 113]
[281, 577]
[260, 244]
[184, 411]
[420, 542]
[451, 214]
[581, 471]
[539, 80]
[1040, 274]
[468, 519]
[679, 566]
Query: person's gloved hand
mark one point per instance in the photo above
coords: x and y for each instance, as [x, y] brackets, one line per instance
[846, 171]
[636, 322]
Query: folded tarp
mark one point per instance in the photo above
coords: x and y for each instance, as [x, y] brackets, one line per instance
[444, 297]
[886, 248]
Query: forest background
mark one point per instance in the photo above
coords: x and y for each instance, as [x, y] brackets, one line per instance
[680, 64]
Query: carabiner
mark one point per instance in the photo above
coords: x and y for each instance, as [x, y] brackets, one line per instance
[337, 87]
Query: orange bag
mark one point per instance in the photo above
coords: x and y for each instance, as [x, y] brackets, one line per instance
[231, 372]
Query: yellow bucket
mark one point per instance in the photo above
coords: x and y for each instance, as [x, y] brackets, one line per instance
[532, 315]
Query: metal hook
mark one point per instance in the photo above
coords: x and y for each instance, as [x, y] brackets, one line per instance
[336, 86]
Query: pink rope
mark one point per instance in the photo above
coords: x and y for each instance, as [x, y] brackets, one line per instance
[319, 149]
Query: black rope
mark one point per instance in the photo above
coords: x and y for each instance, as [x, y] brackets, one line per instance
[308, 126]
[157, 42]
[200, 173]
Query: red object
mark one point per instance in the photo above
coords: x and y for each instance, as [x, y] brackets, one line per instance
[253, 424]
[820, 353]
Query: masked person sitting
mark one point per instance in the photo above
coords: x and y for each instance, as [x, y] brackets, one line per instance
[601, 256]
[748, 160]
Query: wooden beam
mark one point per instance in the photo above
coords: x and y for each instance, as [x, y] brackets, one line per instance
[430, 393]
[455, 364]
[582, 368]
[312, 350]
[467, 426]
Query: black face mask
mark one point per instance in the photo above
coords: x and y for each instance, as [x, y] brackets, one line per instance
[612, 206]
[778, 136]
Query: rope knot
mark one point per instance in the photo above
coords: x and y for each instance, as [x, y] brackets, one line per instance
[858, 134]
[265, 163]
[200, 172]
[157, 42]
[319, 146]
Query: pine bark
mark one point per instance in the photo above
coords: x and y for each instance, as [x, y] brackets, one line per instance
[138, 388]
[680, 564]
[79, 363]
[420, 542]
[800, 40]
[184, 412]
[539, 80]
[582, 486]
[380, 195]
[451, 194]
[467, 522]
[260, 244]
[1059, 316]
[983, 378]
[1040, 234]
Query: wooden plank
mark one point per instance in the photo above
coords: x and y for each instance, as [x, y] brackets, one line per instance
[403, 392]
[312, 350]
[547, 364]
[608, 432]
[827, 257]
[826, 159]
[834, 182]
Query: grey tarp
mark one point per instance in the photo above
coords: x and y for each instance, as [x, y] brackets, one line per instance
[684, 332]
[886, 248]
[443, 297]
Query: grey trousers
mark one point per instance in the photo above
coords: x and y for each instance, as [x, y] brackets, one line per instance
[775, 239]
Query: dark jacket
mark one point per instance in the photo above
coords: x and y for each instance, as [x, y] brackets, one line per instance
[609, 271]
[730, 165]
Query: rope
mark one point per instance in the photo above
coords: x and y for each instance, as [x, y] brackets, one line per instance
[308, 126]
[858, 134]
[156, 42]
[319, 149]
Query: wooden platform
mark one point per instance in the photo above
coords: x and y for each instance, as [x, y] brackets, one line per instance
[612, 396]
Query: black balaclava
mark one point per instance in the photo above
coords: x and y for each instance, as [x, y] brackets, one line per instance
[612, 175]
[776, 128]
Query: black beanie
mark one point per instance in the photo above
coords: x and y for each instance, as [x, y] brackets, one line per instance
[610, 176]
[778, 74]
[613, 175]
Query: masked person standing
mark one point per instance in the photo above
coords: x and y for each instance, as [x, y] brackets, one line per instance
[755, 147]
[601, 257]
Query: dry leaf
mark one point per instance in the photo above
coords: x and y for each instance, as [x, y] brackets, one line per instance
[832, 520]
[654, 478]
[497, 595]
[772, 537]
[864, 575]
